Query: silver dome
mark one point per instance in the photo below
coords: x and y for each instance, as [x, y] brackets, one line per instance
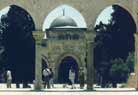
[63, 21]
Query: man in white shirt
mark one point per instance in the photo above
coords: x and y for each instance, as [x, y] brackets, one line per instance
[72, 77]
[9, 78]
[46, 73]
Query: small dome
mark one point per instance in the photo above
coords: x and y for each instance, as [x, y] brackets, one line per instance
[63, 21]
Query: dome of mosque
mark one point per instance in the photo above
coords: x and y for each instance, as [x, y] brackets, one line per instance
[63, 21]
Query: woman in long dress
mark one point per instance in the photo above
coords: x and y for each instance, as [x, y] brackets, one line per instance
[72, 77]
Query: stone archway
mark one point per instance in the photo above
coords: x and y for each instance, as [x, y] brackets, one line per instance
[77, 63]
[65, 10]
[18, 43]
[64, 67]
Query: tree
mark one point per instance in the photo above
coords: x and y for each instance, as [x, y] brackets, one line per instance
[130, 62]
[17, 44]
[3, 29]
[102, 51]
[118, 72]
[113, 41]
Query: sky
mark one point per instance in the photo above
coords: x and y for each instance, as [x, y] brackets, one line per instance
[105, 15]
[4, 11]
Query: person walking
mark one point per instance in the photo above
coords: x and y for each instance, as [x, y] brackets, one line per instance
[9, 78]
[72, 77]
[81, 78]
[46, 73]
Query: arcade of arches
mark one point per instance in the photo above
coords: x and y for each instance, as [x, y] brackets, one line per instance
[65, 36]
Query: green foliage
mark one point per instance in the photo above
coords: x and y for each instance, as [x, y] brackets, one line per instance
[3, 27]
[119, 71]
[113, 42]
[130, 62]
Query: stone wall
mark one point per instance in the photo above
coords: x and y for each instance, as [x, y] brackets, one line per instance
[90, 9]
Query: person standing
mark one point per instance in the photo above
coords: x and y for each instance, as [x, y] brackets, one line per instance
[9, 78]
[46, 73]
[81, 78]
[72, 77]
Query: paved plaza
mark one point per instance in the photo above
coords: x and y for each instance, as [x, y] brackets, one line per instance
[59, 90]
[69, 93]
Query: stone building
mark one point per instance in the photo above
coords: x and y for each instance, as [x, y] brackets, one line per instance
[65, 40]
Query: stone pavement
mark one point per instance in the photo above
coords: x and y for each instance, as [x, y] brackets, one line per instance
[70, 93]
[58, 90]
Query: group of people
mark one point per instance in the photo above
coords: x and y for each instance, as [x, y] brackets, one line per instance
[81, 77]
[48, 74]
[48, 78]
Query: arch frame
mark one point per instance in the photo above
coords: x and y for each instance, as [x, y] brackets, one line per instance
[11, 12]
[131, 13]
[77, 16]
[64, 55]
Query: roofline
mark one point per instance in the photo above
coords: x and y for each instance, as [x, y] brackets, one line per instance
[61, 29]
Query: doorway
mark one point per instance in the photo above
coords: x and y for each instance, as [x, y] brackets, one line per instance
[64, 67]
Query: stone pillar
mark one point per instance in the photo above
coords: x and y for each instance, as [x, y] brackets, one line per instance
[38, 66]
[38, 72]
[136, 58]
[136, 44]
[90, 65]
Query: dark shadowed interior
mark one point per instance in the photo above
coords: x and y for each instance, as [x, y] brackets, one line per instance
[65, 65]
[18, 44]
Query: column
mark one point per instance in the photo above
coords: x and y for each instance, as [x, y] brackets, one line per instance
[136, 58]
[90, 65]
[38, 72]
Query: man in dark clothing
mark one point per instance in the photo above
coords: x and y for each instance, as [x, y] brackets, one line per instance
[46, 73]
[81, 78]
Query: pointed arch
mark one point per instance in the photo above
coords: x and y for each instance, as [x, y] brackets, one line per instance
[117, 23]
[16, 27]
[105, 14]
